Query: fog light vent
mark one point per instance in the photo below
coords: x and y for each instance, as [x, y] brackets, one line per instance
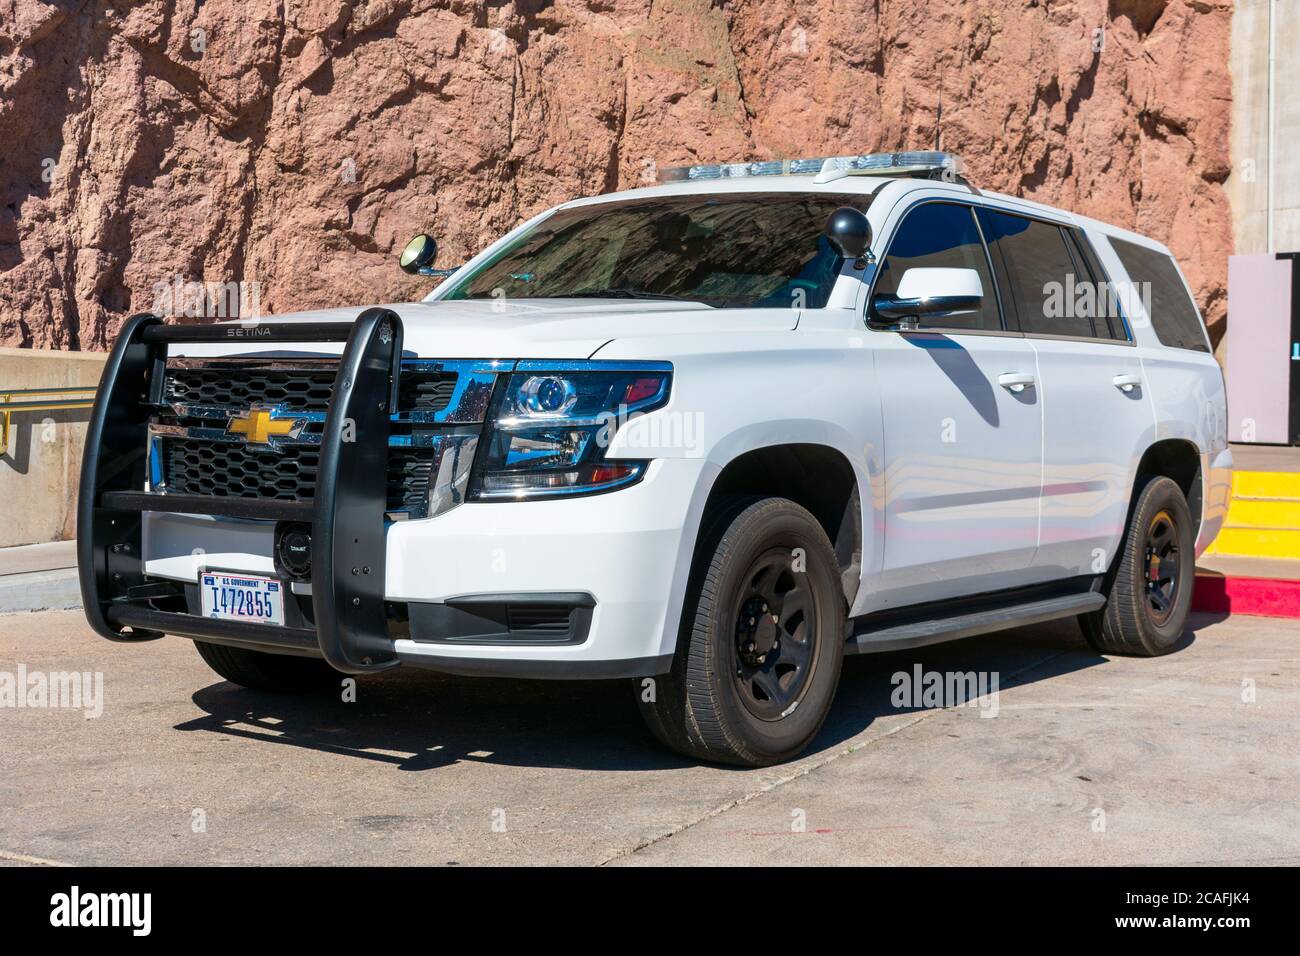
[538, 617]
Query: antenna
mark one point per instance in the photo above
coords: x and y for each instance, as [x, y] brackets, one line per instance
[938, 121]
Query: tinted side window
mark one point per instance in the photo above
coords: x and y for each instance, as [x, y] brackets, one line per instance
[1108, 311]
[1041, 272]
[941, 235]
[1173, 314]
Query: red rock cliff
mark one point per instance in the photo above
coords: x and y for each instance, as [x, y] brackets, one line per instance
[298, 144]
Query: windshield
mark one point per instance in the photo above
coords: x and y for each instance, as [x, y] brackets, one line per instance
[743, 250]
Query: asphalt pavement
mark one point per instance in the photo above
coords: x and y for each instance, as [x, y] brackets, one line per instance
[1189, 758]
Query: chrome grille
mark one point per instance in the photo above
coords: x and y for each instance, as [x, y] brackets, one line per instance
[305, 389]
[425, 391]
[194, 453]
[231, 470]
[239, 387]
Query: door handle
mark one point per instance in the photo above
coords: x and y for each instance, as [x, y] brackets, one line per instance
[1126, 381]
[1016, 381]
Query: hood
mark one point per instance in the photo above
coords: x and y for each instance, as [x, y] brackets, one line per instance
[547, 329]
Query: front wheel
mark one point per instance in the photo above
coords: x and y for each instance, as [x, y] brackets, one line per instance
[762, 640]
[1149, 591]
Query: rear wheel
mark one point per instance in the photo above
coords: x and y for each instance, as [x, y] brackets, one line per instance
[1149, 589]
[761, 643]
[278, 673]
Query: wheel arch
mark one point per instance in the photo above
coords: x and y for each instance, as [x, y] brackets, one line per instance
[1180, 460]
[818, 477]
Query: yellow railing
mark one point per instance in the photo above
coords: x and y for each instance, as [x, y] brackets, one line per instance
[40, 400]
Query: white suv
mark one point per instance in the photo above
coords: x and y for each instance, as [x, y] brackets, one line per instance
[710, 436]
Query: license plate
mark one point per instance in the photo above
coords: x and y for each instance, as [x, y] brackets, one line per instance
[242, 597]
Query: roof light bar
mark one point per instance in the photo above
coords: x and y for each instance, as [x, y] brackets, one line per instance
[915, 163]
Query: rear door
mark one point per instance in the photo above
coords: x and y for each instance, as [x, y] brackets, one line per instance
[1096, 408]
[962, 428]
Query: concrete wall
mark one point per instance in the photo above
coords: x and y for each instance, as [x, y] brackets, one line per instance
[1248, 185]
[39, 471]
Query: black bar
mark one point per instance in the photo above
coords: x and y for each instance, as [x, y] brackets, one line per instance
[1026, 901]
[347, 515]
[108, 540]
[237, 633]
[1293, 383]
[269, 509]
[348, 539]
[259, 332]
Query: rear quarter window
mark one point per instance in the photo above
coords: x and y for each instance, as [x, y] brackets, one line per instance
[1172, 311]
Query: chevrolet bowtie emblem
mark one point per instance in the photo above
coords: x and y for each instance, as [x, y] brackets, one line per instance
[257, 426]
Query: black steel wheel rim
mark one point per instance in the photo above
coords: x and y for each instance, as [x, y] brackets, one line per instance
[775, 635]
[1163, 567]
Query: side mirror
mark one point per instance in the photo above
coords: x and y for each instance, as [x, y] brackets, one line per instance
[418, 254]
[848, 232]
[930, 293]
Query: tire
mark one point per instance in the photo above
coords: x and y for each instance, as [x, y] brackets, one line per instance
[1145, 617]
[749, 686]
[277, 673]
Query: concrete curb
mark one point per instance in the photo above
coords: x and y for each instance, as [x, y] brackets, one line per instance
[1260, 597]
[56, 590]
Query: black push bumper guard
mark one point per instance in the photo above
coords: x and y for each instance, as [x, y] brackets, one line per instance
[347, 514]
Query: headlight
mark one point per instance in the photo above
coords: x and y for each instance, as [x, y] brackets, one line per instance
[553, 425]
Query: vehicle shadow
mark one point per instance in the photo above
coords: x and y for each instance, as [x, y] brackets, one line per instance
[956, 363]
[415, 720]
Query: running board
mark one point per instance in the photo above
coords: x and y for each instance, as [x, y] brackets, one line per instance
[872, 636]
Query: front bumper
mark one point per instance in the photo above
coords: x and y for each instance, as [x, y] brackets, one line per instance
[381, 592]
[347, 514]
[626, 551]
